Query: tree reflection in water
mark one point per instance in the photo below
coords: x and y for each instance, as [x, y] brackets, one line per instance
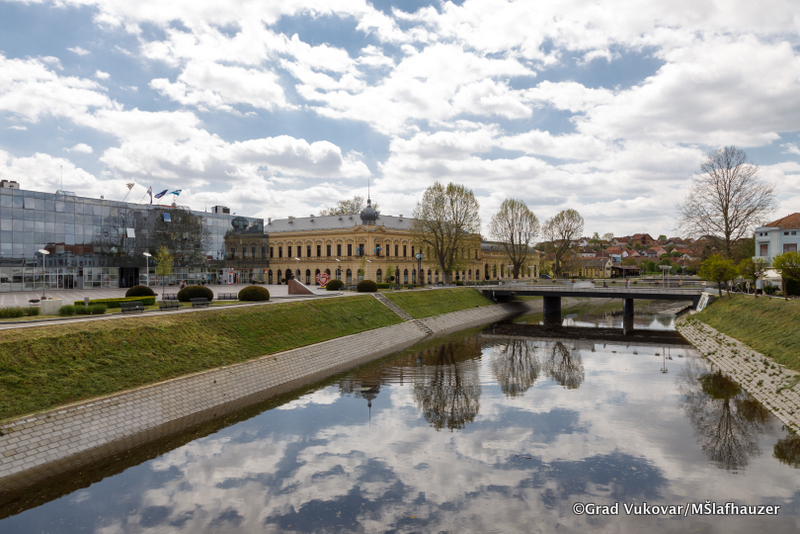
[448, 389]
[727, 421]
[787, 450]
[515, 366]
[565, 366]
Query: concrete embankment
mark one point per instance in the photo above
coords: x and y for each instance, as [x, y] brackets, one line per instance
[44, 445]
[771, 384]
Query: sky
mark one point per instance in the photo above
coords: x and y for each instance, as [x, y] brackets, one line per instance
[283, 108]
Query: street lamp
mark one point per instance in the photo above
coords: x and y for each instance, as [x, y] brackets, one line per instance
[338, 270]
[147, 257]
[366, 275]
[44, 255]
[297, 269]
[420, 279]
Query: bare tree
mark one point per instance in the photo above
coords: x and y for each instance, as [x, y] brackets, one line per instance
[726, 199]
[515, 226]
[446, 223]
[348, 206]
[561, 233]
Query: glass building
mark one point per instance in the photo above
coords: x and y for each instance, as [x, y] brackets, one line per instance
[96, 243]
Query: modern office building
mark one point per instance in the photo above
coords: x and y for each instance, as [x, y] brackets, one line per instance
[66, 241]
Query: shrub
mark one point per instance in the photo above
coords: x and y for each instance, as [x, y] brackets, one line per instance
[115, 302]
[33, 311]
[80, 309]
[254, 294]
[334, 285]
[8, 313]
[195, 292]
[98, 309]
[384, 286]
[140, 291]
[367, 286]
[459, 283]
[66, 311]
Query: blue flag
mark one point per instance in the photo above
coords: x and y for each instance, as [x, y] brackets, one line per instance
[161, 194]
[176, 192]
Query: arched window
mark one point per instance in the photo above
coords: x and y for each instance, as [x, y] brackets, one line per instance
[279, 276]
[308, 277]
[328, 272]
[316, 273]
[405, 276]
[494, 272]
[486, 272]
[348, 277]
[378, 275]
[429, 276]
[269, 277]
[288, 274]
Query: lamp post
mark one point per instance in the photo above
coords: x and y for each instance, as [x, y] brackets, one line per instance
[338, 270]
[297, 269]
[420, 279]
[366, 275]
[147, 256]
[44, 255]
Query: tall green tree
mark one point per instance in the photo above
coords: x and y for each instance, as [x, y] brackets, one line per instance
[753, 269]
[562, 233]
[718, 269]
[516, 227]
[788, 265]
[164, 266]
[446, 222]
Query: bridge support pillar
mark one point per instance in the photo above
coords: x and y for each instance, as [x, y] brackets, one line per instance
[627, 316]
[552, 311]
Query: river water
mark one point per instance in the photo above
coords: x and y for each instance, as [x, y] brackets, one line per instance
[479, 433]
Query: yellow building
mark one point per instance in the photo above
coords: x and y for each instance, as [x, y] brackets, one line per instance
[371, 243]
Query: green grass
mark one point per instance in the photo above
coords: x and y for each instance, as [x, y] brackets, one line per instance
[419, 304]
[48, 366]
[769, 326]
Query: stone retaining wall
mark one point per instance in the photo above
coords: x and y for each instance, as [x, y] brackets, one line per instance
[776, 387]
[41, 446]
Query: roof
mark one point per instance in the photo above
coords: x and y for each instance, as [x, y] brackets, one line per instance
[333, 222]
[790, 221]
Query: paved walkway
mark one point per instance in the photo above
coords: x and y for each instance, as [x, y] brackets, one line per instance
[776, 387]
[43, 445]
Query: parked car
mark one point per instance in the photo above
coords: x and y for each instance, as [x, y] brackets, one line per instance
[544, 276]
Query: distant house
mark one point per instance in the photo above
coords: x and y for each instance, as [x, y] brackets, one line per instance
[778, 237]
[644, 240]
[588, 253]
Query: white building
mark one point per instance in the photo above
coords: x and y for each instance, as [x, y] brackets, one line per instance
[778, 237]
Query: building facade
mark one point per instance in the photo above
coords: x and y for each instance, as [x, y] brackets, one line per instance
[63, 241]
[778, 237]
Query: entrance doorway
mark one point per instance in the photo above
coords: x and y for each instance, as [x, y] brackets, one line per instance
[128, 276]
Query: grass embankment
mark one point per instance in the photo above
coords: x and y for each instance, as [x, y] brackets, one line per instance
[41, 368]
[419, 304]
[769, 326]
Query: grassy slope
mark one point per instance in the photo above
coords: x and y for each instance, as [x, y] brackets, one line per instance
[44, 367]
[421, 304]
[770, 326]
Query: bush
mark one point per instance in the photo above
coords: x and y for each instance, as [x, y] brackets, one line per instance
[80, 309]
[140, 291]
[770, 289]
[384, 286]
[115, 303]
[66, 311]
[32, 311]
[8, 313]
[459, 283]
[195, 292]
[334, 285]
[367, 286]
[254, 294]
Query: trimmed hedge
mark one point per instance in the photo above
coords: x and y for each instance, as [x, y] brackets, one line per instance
[254, 294]
[115, 303]
[384, 286]
[367, 286]
[334, 285]
[66, 311]
[195, 292]
[140, 291]
[94, 309]
[10, 313]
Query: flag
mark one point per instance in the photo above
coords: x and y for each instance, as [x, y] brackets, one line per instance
[130, 186]
[176, 192]
[150, 192]
[161, 194]
[377, 250]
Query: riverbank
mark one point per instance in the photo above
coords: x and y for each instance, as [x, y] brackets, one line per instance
[38, 447]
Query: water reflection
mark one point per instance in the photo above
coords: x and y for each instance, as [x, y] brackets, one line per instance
[787, 450]
[565, 366]
[727, 421]
[516, 366]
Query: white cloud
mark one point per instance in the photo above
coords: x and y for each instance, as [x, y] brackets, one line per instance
[82, 148]
[791, 148]
[100, 75]
[79, 51]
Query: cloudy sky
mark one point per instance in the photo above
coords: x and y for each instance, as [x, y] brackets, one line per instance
[284, 107]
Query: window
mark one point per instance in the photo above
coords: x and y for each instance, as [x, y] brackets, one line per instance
[329, 250]
[412, 252]
[338, 250]
[319, 251]
[299, 251]
[790, 247]
[404, 251]
[253, 250]
[167, 217]
[280, 255]
[271, 252]
[308, 251]
[289, 252]
[349, 250]
[264, 252]
[397, 250]
[233, 253]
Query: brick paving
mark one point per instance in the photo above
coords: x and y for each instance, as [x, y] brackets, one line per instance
[775, 386]
[43, 445]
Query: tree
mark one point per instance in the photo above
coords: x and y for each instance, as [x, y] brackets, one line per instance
[561, 232]
[662, 237]
[718, 269]
[608, 237]
[515, 226]
[726, 200]
[164, 265]
[753, 269]
[184, 234]
[446, 222]
[348, 206]
[788, 265]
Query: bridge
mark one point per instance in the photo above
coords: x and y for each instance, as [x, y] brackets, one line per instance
[553, 294]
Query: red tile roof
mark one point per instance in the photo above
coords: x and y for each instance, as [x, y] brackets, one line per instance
[790, 221]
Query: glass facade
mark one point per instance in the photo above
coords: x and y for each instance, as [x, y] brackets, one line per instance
[95, 243]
